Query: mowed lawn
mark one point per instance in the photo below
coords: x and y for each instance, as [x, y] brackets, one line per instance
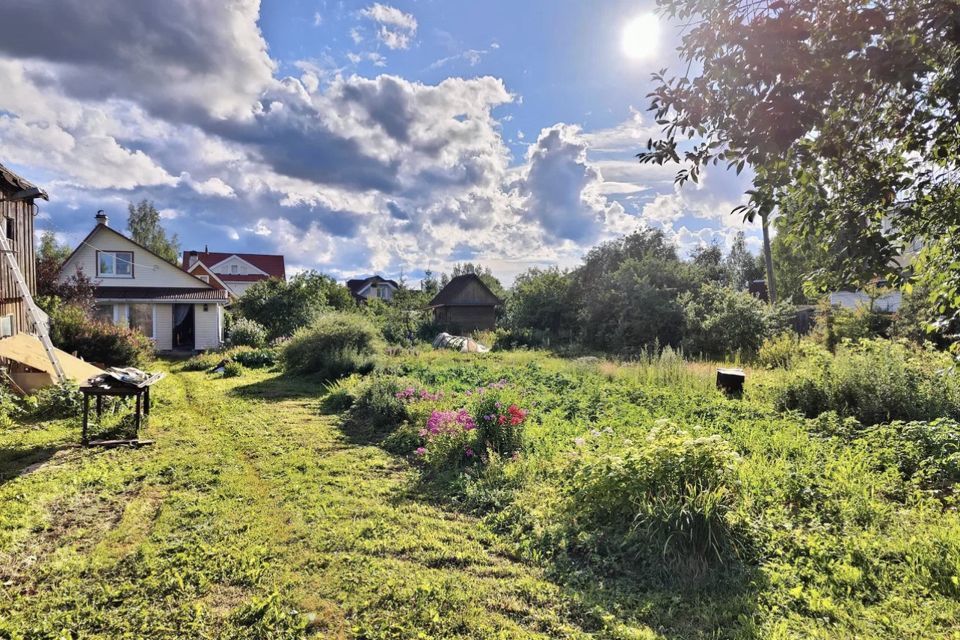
[252, 516]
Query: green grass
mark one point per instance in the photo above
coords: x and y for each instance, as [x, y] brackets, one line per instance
[257, 516]
[251, 517]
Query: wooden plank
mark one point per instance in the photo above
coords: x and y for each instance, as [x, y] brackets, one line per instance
[135, 442]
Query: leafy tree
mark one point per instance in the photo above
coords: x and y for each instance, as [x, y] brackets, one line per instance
[721, 322]
[848, 108]
[282, 307]
[741, 266]
[50, 257]
[429, 284]
[540, 300]
[707, 259]
[626, 292]
[145, 229]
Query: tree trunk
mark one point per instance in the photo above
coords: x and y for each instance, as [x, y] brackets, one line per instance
[768, 259]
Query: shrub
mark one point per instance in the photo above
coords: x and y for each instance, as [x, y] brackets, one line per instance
[448, 439]
[335, 345]
[258, 358]
[671, 494]
[203, 361]
[874, 381]
[378, 404]
[721, 322]
[232, 369]
[62, 400]
[73, 331]
[926, 452]
[500, 423]
[247, 333]
[283, 306]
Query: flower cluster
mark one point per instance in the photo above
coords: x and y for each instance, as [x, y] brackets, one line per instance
[514, 416]
[447, 423]
[411, 394]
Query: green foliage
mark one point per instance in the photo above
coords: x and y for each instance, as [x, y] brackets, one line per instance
[672, 494]
[72, 330]
[146, 230]
[333, 346]
[282, 307]
[540, 301]
[783, 350]
[835, 325]
[62, 400]
[874, 381]
[258, 358]
[722, 322]
[377, 404]
[404, 320]
[232, 369]
[500, 422]
[853, 145]
[246, 333]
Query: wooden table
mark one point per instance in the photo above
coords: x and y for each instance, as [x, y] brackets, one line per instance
[116, 390]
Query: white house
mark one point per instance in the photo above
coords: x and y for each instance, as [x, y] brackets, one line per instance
[374, 287]
[137, 288]
[236, 271]
[889, 302]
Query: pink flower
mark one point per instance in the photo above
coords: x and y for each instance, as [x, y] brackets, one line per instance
[421, 451]
[469, 452]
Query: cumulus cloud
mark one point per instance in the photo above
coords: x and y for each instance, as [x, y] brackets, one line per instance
[561, 188]
[395, 28]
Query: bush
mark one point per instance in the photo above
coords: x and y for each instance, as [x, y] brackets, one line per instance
[335, 345]
[258, 358]
[62, 400]
[670, 495]
[283, 306]
[232, 369]
[203, 361]
[721, 322]
[378, 405]
[73, 331]
[500, 423]
[874, 381]
[247, 333]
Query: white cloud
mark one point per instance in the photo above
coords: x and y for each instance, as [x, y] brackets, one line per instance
[395, 28]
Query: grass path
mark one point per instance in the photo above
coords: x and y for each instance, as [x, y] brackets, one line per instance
[251, 517]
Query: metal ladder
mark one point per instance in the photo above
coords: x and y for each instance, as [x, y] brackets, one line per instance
[32, 310]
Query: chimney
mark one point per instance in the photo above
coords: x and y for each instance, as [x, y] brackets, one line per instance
[192, 259]
[102, 218]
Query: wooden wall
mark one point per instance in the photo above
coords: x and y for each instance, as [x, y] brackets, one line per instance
[463, 320]
[22, 214]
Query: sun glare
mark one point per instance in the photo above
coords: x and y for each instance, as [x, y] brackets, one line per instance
[640, 37]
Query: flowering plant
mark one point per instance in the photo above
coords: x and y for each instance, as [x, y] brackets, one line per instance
[447, 438]
[500, 423]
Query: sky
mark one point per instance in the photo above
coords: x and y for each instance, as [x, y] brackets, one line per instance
[354, 137]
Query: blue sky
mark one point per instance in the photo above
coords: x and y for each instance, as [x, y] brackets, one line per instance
[353, 137]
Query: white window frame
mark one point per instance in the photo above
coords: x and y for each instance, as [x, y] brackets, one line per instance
[113, 255]
[204, 278]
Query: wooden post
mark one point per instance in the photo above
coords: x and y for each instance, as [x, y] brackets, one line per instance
[86, 416]
[146, 401]
[99, 408]
[136, 414]
[730, 381]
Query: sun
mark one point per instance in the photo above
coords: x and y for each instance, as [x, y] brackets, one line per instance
[641, 37]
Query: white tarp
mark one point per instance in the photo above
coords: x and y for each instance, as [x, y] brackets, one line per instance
[458, 343]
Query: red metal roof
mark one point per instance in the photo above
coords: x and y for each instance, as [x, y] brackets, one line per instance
[272, 265]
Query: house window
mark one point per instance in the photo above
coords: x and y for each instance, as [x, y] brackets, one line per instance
[205, 279]
[11, 229]
[382, 292]
[104, 313]
[115, 264]
[140, 317]
[234, 269]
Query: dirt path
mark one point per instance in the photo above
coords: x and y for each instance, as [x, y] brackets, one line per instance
[252, 516]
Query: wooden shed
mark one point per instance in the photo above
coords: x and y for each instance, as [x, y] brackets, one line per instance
[17, 211]
[466, 304]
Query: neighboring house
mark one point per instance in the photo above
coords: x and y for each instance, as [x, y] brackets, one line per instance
[466, 304]
[17, 209]
[236, 271]
[364, 289]
[137, 288]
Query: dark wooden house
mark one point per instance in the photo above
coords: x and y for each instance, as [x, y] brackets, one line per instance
[17, 210]
[466, 304]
